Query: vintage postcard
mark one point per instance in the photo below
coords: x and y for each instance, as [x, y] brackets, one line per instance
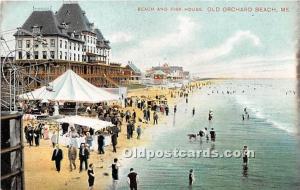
[153, 95]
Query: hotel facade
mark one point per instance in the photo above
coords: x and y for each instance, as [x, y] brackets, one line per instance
[67, 40]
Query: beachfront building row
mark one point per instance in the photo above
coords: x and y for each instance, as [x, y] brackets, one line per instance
[168, 72]
[62, 40]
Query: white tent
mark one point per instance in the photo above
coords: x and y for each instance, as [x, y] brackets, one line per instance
[70, 87]
[86, 121]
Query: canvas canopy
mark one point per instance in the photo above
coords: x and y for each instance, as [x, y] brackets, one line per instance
[86, 121]
[70, 87]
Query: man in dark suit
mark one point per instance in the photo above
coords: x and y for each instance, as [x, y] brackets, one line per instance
[114, 141]
[101, 143]
[83, 156]
[30, 133]
[57, 156]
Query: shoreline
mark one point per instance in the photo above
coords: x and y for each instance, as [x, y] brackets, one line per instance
[42, 173]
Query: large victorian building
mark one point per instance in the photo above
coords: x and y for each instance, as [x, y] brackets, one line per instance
[68, 40]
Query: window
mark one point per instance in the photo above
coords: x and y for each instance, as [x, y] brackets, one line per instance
[79, 47]
[66, 44]
[45, 44]
[27, 43]
[36, 30]
[70, 56]
[70, 45]
[66, 56]
[44, 55]
[27, 55]
[19, 43]
[60, 55]
[84, 48]
[20, 54]
[52, 42]
[78, 59]
[36, 44]
[74, 57]
[75, 46]
[88, 39]
[52, 54]
[60, 43]
[36, 55]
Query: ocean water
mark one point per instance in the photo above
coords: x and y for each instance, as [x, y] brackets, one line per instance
[271, 132]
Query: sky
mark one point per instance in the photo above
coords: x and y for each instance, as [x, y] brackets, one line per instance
[208, 43]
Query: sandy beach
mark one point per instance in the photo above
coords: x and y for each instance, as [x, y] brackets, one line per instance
[40, 172]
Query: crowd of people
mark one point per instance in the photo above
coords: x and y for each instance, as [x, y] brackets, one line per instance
[137, 111]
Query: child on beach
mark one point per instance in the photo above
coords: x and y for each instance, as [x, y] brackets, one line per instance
[91, 176]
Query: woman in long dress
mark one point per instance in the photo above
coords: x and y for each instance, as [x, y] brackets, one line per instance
[46, 133]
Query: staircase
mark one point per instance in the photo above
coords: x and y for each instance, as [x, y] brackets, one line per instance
[111, 81]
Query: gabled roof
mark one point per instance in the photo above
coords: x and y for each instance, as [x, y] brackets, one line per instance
[134, 68]
[175, 68]
[159, 72]
[73, 15]
[102, 42]
[98, 34]
[44, 19]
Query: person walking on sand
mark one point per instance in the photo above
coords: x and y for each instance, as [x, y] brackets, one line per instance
[193, 111]
[139, 131]
[91, 176]
[115, 173]
[83, 156]
[101, 143]
[57, 156]
[114, 141]
[89, 140]
[30, 135]
[134, 115]
[26, 128]
[132, 179]
[155, 118]
[167, 110]
[36, 134]
[54, 139]
[129, 130]
[191, 177]
[175, 109]
[148, 114]
[72, 154]
[46, 133]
